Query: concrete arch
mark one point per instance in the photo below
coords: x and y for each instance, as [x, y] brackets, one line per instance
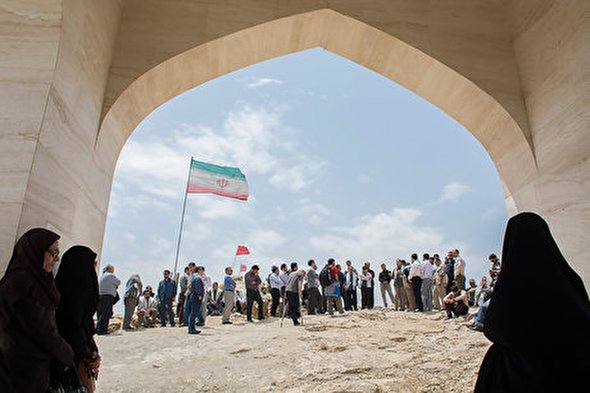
[462, 99]
[508, 71]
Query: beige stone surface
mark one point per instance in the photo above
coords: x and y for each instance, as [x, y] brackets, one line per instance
[366, 351]
[77, 76]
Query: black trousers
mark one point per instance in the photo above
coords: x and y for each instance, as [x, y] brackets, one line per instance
[417, 288]
[314, 303]
[450, 282]
[371, 296]
[365, 297]
[456, 308]
[293, 303]
[350, 300]
[105, 304]
[276, 297]
[253, 295]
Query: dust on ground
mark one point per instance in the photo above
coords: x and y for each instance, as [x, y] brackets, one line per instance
[365, 351]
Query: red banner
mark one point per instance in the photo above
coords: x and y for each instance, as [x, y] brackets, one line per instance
[243, 250]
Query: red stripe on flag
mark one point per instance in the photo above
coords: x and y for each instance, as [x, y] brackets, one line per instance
[206, 190]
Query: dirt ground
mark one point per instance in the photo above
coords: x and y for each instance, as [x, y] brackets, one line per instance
[365, 351]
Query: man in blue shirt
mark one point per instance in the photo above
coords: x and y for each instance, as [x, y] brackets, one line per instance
[197, 292]
[166, 293]
[229, 295]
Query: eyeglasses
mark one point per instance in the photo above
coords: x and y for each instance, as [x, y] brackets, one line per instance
[53, 252]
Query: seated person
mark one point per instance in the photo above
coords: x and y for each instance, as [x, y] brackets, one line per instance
[147, 310]
[240, 302]
[481, 313]
[456, 302]
[150, 290]
[215, 301]
[483, 287]
[471, 292]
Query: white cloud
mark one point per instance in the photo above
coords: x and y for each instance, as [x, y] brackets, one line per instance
[315, 212]
[196, 230]
[265, 239]
[211, 207]
[453, 191]
[297, 177]
[152, 166]
[253, 139]
[259, 82]
[381, 237]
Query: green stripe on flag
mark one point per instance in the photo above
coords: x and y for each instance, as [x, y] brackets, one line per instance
[224, 171]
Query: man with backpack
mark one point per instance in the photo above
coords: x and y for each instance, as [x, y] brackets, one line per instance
[331, 286]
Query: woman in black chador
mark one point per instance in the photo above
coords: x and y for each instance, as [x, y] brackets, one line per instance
[77, 282]
[538, 318]
[29, 339]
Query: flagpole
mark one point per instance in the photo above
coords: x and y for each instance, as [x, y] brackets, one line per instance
[233, 265]
[182, 219]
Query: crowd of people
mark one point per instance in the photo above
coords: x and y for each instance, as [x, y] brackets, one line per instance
[419, 285]
[59, 312]
[47, 323]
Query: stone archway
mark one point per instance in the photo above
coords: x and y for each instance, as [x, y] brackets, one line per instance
[481, 114]
[489, 66]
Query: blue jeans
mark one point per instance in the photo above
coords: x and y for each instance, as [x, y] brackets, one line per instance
[194, 312]
[187, 309]
[211, 308]
[166, 312]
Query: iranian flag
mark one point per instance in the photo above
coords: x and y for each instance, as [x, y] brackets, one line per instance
[225, 181]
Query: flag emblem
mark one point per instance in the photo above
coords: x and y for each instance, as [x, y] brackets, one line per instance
[225, 181]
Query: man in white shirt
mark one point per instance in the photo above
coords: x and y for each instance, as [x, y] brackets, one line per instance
[415, 278]
[284, 274]
[427, 280]
[459, 270]
[215, 303]
[207, 284]
[276, 283]
[183, 286]
[107, 290]
[147, 310]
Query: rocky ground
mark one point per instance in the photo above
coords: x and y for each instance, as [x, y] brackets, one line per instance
[365, 351]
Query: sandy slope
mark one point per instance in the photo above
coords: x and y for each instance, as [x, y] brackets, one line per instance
[365, 351]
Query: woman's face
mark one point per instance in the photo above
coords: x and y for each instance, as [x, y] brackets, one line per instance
[51, 257]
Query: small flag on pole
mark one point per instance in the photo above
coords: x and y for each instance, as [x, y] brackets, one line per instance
[242, 268]
[242, 250]
[225, 181]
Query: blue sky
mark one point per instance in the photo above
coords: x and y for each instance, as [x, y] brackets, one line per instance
[341, 162]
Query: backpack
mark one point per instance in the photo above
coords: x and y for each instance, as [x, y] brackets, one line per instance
[325, 277]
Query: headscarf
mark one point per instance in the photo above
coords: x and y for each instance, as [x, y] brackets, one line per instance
[134, 280]
[76, 278]
[541, 340]
[27, 259]
[78, 284]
